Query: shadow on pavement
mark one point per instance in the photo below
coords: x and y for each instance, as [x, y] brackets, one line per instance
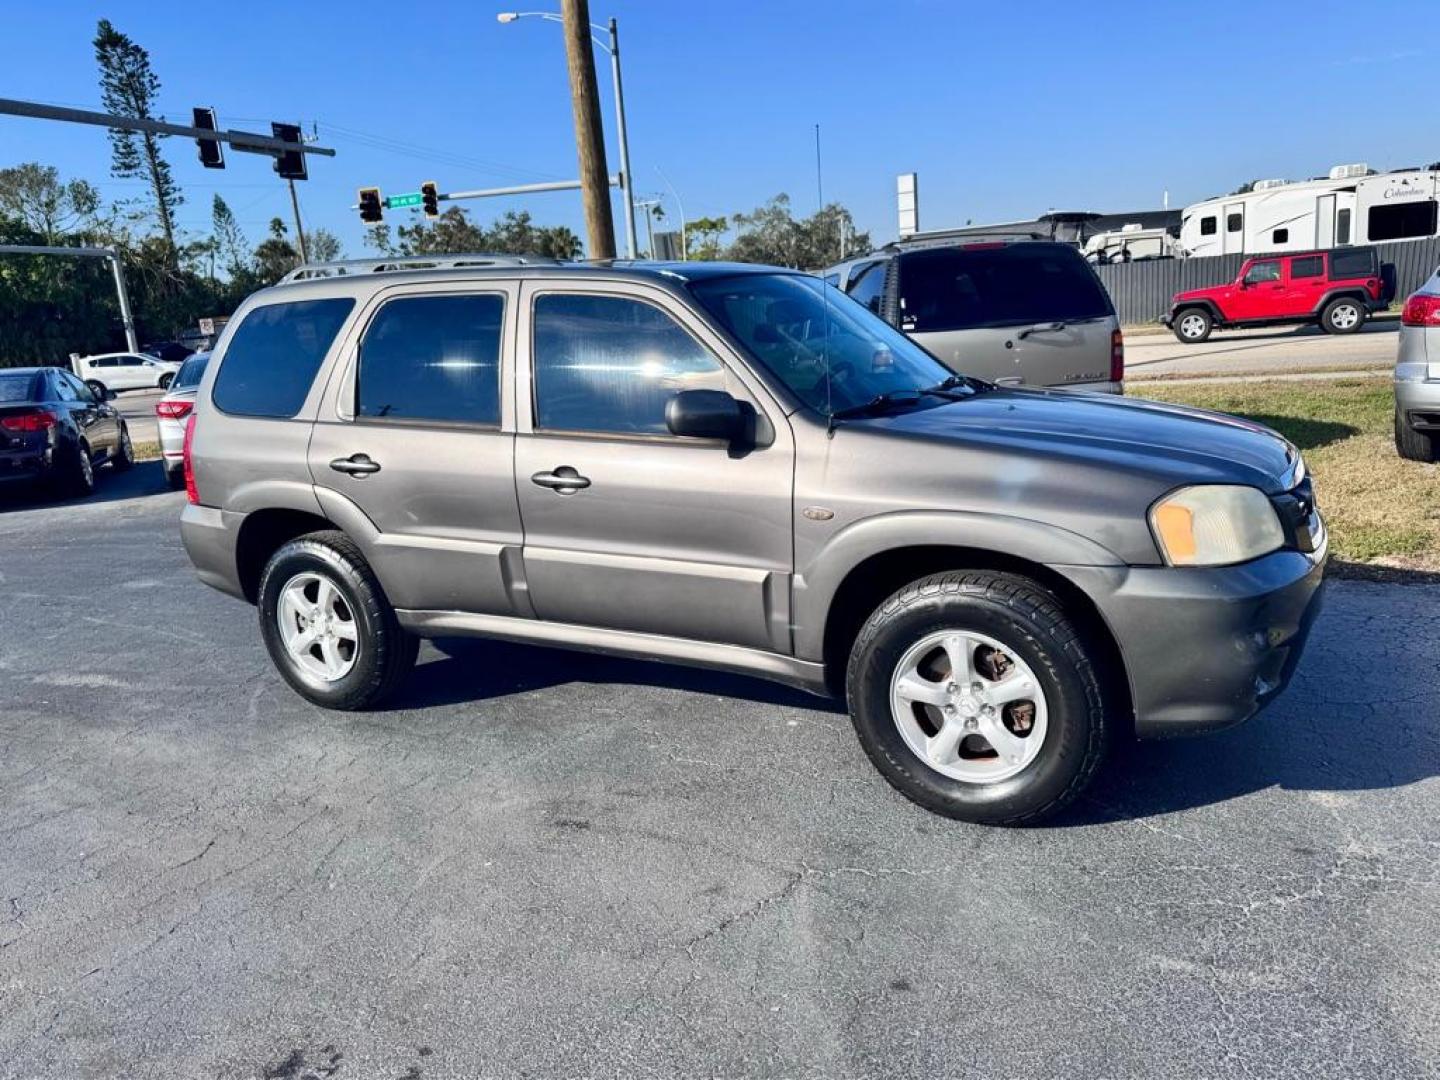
[146, 478]
[475, 670]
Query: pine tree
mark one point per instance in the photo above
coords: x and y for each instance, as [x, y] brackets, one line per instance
[129, 87]
[228, 238]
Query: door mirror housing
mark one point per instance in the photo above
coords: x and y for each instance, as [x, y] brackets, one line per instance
[108, 395]
[705, 414]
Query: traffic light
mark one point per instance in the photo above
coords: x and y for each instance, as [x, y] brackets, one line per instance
[212, 155]
[290, 164]
[371, 209]
[430, 198]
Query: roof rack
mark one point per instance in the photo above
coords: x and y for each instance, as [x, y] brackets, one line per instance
[393, 263]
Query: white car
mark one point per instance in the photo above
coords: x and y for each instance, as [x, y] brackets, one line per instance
[172, 413]
[126, 371]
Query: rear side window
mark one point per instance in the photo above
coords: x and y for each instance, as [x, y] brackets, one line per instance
[433, 358]
[1309, 267]
[1354, 263]
[869, 287]
[965, 288]
[274, 355]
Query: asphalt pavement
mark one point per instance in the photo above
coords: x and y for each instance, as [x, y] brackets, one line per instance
[1274, 350]
[545, 864]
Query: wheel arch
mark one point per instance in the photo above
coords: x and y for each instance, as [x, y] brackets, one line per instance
[1207, 305]
[1346, 292]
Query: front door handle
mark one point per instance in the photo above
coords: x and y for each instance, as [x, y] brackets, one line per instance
[356, 465]
[563, 481]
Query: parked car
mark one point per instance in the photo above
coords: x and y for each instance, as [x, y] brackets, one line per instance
[1417, 375]
[126, 371]
[1337, 289]
[1018, 313]
[171, 412]
[173, 352]
[739, 467]
[54, 431]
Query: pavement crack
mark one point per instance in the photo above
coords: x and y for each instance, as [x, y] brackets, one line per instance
[196, 858]
[792, 883]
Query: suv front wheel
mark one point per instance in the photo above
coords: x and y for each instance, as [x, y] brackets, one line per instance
[975, 697]
[327, 624]
[1193, 325]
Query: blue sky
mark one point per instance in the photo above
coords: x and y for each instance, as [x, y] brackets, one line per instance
[1005, 110]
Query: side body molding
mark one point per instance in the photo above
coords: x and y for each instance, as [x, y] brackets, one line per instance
[825, 567]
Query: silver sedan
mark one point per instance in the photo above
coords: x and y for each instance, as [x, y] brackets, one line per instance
[172, 413]
[1417, 375]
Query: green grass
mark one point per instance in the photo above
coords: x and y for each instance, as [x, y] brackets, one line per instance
[1380, 508]
[147, 451]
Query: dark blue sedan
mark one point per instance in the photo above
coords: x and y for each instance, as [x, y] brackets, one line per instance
[55, 430]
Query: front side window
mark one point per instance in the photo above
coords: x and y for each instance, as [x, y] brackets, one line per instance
[1311, 266]
[1207, 226]
[609, 364]
[273, 356]
[433, 358]
[829, 351]
[1262, 272]
[81, 390]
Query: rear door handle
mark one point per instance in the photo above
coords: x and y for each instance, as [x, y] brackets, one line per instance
[563, 481]
[356, 465]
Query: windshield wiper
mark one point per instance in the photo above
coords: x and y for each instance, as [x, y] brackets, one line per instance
[891, 398]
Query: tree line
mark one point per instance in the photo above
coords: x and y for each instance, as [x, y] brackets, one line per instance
[51, 306]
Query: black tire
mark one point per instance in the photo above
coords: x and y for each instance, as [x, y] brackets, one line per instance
[175, 476]
[1411, 444]
[123, 457]
[97, 388]
[76, 475]
[1196, 322]
[1350, 313]
[1030, 622]
[166, 380]
[386, 653]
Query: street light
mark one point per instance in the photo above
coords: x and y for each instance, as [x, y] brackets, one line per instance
[611, 46]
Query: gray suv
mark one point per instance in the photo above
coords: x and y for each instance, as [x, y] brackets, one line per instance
[738, 467]
[1015, 312]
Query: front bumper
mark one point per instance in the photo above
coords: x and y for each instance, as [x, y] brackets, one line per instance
[1205, 648]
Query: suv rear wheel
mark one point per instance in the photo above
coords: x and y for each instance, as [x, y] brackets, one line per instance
[1193, 325]
[1412, 444]
[327, 624]
[975, 697]
[1344, 315]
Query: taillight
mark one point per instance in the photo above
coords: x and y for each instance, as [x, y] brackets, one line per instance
[190, 492]
[27, 422]
[1421, 309]
[173, 410]
[1117, 356]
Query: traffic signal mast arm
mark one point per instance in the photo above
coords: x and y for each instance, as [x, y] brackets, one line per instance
[372, 206]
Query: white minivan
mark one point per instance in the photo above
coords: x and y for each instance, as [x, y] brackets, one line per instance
[126, 371]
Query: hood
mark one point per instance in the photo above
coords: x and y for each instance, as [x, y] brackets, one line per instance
[1205, 293]
[1172, 444]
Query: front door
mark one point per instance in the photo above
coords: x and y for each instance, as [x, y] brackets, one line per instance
[684, 537]
[1259, 293]
[413, 433]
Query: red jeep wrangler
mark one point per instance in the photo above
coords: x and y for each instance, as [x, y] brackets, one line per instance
[1338, 289]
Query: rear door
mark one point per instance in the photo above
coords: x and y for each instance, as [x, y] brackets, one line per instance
[1305, 283]
[1022, 314]
[683, 537]
[415, 433]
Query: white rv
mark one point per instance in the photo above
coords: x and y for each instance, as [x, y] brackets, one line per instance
[1129, 243]
[1353, 205]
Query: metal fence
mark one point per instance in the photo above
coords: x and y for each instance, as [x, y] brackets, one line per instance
[1142, 291]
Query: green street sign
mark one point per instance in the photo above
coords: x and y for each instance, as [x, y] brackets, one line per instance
[410, 198]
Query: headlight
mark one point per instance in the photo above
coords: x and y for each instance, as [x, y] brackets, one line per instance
[1213, 525]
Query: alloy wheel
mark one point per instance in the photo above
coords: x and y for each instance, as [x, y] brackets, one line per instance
[1192, 326]
[318, 627]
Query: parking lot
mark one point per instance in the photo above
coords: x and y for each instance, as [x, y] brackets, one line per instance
[553, 864]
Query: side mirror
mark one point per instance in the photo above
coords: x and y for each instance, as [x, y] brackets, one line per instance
[705, 414]
[109, 394]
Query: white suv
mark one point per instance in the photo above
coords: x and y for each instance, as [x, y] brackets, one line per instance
[126, 371]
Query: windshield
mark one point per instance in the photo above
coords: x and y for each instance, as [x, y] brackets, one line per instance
[798, 327]
[1009, 285]
[188, 377]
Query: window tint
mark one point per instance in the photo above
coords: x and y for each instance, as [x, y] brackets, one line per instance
[1207, 226]
[273, 356]
[1280, 236]
[603, 363]
[82, 392]
[191, 371]
[1308, 267]
[1355, 263]
[868, 288]
[1342, 227]
[106, 361]
[963, 288]
[1263, 271]
[15, 387]
[63, 390]
[433, 358]
[1233, 222]
[1402, 220]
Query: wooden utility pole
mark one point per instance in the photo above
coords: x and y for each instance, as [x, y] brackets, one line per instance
[589, 136]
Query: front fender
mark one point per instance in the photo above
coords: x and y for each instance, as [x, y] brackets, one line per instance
[817, 582]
